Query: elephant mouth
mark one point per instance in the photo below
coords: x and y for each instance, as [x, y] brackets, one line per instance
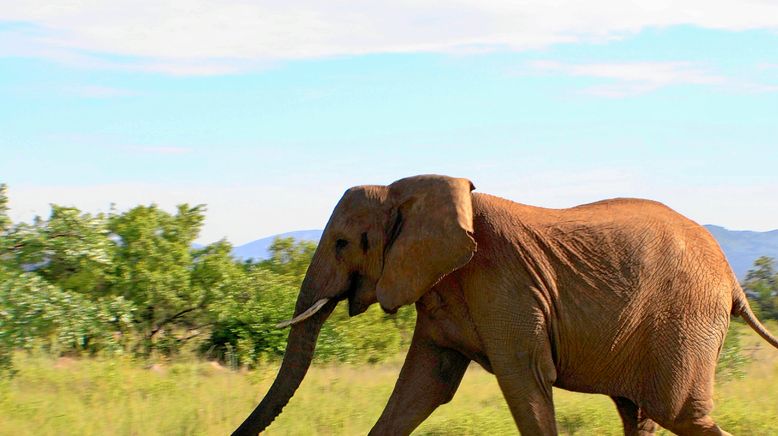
[357, 304]
[354, 283]
[359, 297]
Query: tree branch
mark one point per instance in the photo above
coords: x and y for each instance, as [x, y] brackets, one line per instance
[54, 236]
[172, 318]
[190, 336]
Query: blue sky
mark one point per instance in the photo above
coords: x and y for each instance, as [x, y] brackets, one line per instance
[270, 127]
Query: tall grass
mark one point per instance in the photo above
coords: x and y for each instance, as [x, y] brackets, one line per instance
[122, 397]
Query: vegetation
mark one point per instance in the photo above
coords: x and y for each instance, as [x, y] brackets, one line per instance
[132, 283]
[116, 322]
[94, 396]
[761, 285]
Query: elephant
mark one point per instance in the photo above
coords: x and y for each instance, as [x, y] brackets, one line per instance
[621, 297]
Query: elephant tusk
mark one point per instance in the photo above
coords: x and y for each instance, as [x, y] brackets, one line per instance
[305, 315]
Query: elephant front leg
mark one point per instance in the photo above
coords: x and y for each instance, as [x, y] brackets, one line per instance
[526, 381]
[430, 376]
[636, 423]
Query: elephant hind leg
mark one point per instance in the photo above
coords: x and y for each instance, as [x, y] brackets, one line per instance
[696, 426]
[694, 418]
[636, 423]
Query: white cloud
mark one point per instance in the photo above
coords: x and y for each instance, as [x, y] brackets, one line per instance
[627, 79]
[206, 37]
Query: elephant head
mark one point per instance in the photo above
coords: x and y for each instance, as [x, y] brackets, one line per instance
[386, 244]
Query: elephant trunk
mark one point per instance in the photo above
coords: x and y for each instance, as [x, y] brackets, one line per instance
[297, 359]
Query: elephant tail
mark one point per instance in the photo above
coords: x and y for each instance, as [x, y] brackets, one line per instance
[740, 307]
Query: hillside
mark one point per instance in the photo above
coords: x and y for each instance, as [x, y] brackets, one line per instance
[741, 247]
[258, 250]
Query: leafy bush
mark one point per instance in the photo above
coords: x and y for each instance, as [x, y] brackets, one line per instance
[34, 313]
[732, 361]
[245, 330]
[245, 321]
[79, 283]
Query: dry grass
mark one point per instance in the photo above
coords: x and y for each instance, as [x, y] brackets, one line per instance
[94, 397]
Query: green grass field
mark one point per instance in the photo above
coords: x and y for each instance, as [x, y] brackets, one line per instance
[116, 397]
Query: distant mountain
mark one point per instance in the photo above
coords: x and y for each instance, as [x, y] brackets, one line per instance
[741, 247]
[260, 249]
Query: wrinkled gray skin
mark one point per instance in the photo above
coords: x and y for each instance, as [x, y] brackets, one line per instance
[621, 297]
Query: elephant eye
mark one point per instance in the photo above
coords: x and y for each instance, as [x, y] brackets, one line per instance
[340, 244]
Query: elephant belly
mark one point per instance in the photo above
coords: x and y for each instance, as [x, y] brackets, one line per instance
[647, 359]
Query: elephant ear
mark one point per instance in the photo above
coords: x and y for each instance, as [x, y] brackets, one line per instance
[428, 237]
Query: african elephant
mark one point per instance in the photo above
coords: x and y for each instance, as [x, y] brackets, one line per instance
[620, 297]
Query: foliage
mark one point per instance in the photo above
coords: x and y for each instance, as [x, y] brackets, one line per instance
[761, 286]
[78, 283]
[5, 221]
[153, 270]
[371, 337]
[731, 359]
[34, 313]
[245, 331]
[119, 397]
[75, 251]
[133, 282]
[289, 257]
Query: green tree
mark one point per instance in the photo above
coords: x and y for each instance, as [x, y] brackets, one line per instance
[215, 277]
[289, 257]
[153, 267]
[21, 243]
[82, 283]
[5, 221]
[76, 251]
[244, 330]
[761, 286]
[6, 248]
